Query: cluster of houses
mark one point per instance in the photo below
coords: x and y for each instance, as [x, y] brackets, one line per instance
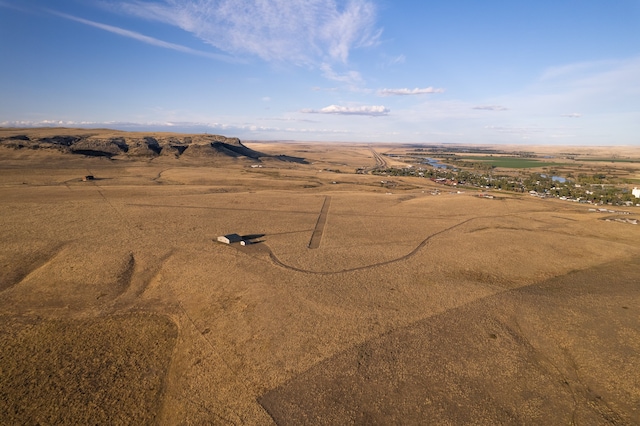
[627, 220]
[631, 221]
[537, 185]
[608, 211]
[577, 199]
[445, 181]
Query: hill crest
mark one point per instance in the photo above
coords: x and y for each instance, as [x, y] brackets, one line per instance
[120, 144]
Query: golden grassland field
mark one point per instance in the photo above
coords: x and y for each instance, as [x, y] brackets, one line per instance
[418, 304]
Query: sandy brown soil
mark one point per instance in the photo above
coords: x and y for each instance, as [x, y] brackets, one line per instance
[117, 305]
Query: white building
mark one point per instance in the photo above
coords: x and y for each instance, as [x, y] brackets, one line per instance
[636, 192]
[230, 238]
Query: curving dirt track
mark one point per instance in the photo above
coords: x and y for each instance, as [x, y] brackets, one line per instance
[318, 235]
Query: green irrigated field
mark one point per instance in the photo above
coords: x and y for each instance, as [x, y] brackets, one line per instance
[512, 162]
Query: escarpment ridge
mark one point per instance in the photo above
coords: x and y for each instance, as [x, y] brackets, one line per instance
[121, 144]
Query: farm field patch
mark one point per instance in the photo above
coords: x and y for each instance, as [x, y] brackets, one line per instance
[512, 162]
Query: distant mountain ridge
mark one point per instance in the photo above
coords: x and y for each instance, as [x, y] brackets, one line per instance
[118, 144]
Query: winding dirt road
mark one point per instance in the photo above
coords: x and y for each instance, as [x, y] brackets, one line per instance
[264, 248]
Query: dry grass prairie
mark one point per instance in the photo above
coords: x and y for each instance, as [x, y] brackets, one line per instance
[118, 306]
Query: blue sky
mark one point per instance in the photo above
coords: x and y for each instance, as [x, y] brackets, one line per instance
[563, 72]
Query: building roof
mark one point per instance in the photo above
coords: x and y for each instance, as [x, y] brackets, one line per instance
[230, 238]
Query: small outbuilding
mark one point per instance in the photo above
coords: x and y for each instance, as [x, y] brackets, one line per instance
[230, 238]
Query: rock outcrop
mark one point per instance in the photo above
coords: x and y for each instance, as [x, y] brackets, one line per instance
[134, 145]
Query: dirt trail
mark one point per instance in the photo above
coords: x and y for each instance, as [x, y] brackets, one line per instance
[316, 237]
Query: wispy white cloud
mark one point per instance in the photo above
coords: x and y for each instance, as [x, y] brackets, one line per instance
[540, 133]
[371, 110]
[236, 129]
[302, 32]
[352, 78]
[324, 89]
[12, 6]
[145, 39]
[616, 82]
[515, 130]
[490, 108]
[562, 136]
[290, 120]
[60, 123]
[409, 92]
[575, 70]
[400, 59]
[572, 115]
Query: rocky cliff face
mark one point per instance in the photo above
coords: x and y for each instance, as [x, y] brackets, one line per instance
[133, 145]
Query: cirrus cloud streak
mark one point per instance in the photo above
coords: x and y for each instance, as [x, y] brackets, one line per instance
[409, 92]
[302, 32]
[371, 110]
[490, 108]
[143, 38]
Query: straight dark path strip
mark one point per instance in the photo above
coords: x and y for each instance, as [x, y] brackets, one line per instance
[316, 237]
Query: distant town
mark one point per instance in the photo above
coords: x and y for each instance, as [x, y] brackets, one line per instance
[595, 188]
